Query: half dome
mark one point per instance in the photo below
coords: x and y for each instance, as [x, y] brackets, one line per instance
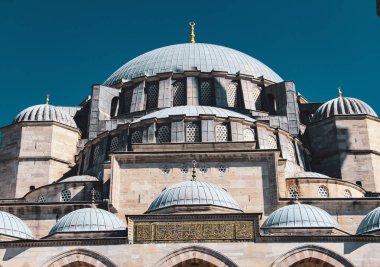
[198, 56]
[45, 112]
[370, 223]
[300, 216]
[13, 226]
[342, 106]
[194, 193]
[88, 220]
[194, 111]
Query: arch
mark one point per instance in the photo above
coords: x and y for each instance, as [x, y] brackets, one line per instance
[195, 254]
[83, 256]
[311, 254]
[114, 106]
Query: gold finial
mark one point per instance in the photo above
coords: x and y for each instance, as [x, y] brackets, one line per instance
[193, 175]
[340, 91]
[192, 35]
[47, 99]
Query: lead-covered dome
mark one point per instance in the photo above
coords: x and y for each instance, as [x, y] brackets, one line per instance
[370, 223]
[310, 175]
[88, 220]
[342, 106]
[194, 193]
[13, 226]
[195, 111]
[45, 112]
[198, 56]
[300, 216]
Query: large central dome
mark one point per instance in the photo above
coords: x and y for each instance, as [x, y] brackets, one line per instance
[198, 56]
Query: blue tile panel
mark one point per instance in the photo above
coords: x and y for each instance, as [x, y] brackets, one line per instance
[45, 112]
[342, 106]
[370, 223]
[191, 193]
[202, 57]
[13, 226]
[88, 220]
[195, 111]
[300, 216]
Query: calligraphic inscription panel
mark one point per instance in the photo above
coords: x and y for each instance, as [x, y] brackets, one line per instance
[190, 231]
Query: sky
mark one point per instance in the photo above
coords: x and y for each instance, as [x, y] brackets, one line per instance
[62, 48]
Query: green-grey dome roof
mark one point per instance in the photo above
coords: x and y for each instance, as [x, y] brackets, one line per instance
[11, 225]
[309, 175]
[370, 223]
[199, 56]
[299, 216]
[80, 178]
[192, 193]
[342, 106]
[88, 220]
[45, 112]
[195, 111]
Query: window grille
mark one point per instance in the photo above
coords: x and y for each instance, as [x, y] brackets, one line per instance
[86, 160]
[221, 133]
[152, 96]
[256, 95]
[179, 93]
[192, 133]
[293, 191]
[232, 94]
[291, 151]
[184, 170]
[136, 137]
[97, 195]
[163, 134]
[128, 100]
[323, 191]
[65, 195]
[272, 142]
[203, 169]
[222, 169]
[347, 193]
[96, 155]
[165, 170]
[114, 144]
[205, 96]
[249, 135]
[41, 198]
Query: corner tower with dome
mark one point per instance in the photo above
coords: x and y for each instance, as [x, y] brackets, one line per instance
[192, 155]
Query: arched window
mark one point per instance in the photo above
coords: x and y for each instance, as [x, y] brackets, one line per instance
[293, 191]
[152, 95]
[347, 193]
[249, 135]
[41, 198]
[272, 104]
[291, 152]
[323, 191]
[205, 93]
[163, 134]
[96, 155]
[179, 93]
[65, 195]
[114, 106]
[272, 142]
[232, 94]
[128, 101]
[114, 145]
[193, 133]
[221, 133]
[256, 96]
[136, 137]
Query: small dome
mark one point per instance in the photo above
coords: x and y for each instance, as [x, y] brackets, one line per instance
[45, 112]
[342, 106]
[298, 216]
[198, 56]
[370, 223]
[195, 111]
[80, 178]
[11, 225]
[192, 193]
[88, 220]
[310, 175]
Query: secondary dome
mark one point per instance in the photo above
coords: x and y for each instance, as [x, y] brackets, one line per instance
[202, 57]
[80, 178]
[45, 112]
[298, 216]
[309, 175]
[370, 223]
[342, 106]
[194, 111]
[13, 226]
[192, 193]
[88, 220]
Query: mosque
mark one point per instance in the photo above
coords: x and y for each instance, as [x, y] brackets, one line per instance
[192, 155]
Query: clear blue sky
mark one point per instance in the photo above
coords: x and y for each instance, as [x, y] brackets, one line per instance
[63, 47]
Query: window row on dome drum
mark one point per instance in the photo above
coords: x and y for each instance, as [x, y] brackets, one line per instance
[149, 95]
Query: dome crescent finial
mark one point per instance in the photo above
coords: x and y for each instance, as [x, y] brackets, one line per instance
[47, 99]
[192, 35]
[340, 91]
